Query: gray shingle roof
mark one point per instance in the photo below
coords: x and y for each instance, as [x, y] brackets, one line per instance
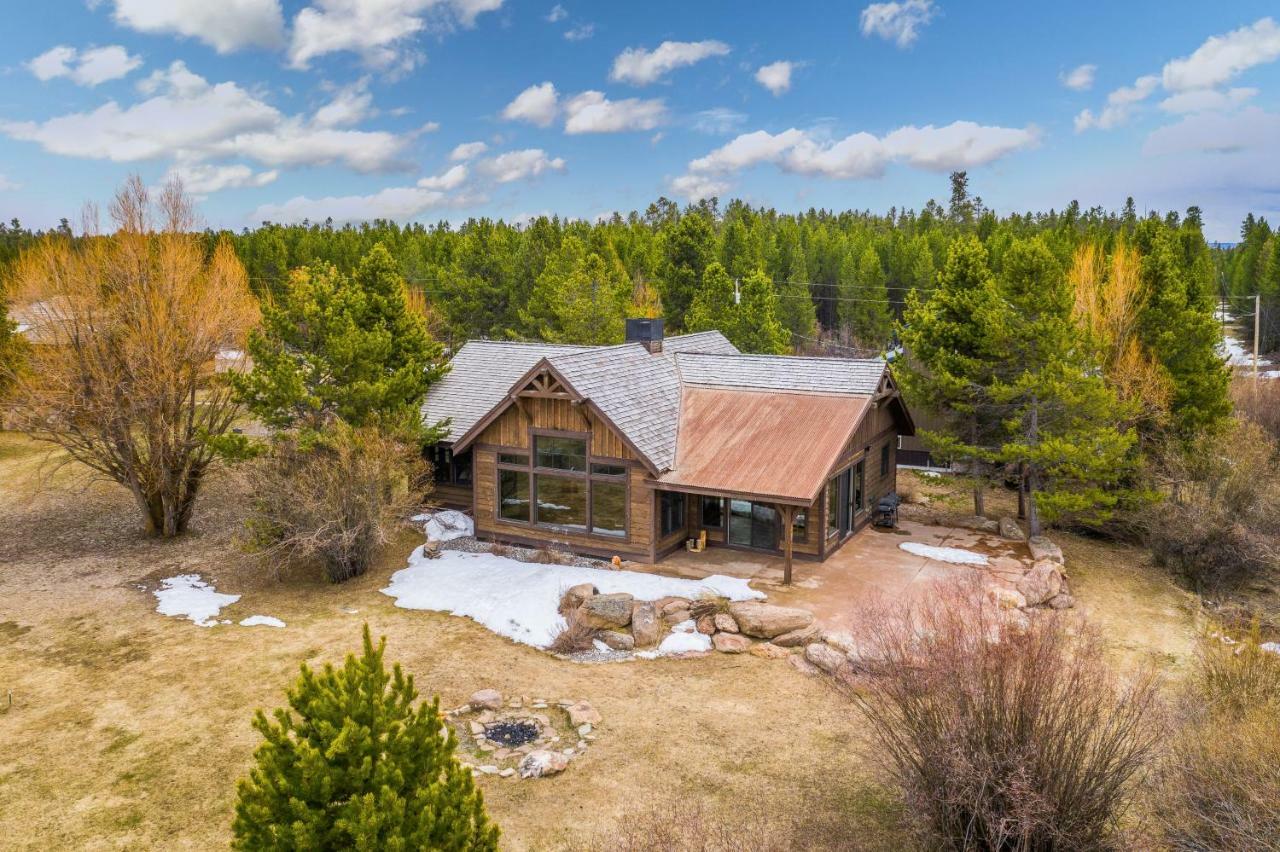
[860, 376]
[480, 376]
[710, 342]
[640, 393]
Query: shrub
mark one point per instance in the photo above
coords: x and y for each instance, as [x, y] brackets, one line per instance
[1220, 786]
[1000, 736]
[574, 638]
[1258, 402]
[1220, 526]
[335, 498]
[356, 766]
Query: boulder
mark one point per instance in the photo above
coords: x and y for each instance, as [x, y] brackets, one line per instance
[645, 628]
[538, 764]
[1004, 598]
[617, 640]
[799, 638]
[1062, 600]
[979, 524]
[666, 605]
[840, 640]
[768, 651]
[485, 699]
[1009, 529]
[765, 621]
[1041, 583]
[672, 617]
[802, 665]
[605, 612]
[582, 713]
[730, 643]
[707, 624]
[576, 596]
[1042, 549]
[824, 657]
[724, 623]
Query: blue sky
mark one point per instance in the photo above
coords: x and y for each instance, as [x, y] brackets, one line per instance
[442, 109]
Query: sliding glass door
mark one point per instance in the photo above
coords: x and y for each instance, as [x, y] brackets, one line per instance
[753, 524]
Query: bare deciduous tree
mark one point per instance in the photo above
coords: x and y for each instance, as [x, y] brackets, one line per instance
[131, 323]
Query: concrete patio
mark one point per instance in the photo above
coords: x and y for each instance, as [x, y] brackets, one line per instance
[870, 563]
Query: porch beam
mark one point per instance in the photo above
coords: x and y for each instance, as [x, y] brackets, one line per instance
[788, 535]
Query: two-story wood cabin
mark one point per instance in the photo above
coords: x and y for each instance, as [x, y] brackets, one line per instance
[633, 449]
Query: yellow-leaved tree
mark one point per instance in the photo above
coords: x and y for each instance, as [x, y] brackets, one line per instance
[131, 326]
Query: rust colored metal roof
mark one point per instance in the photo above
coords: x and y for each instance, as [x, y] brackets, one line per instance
[761, 443]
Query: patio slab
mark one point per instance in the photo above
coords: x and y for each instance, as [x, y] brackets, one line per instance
[869, 564]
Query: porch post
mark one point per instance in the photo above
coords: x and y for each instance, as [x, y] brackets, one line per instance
[788, 534]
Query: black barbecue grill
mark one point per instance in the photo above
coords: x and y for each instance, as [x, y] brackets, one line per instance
[887, 510]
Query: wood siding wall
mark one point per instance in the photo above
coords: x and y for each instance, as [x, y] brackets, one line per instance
[512, 430]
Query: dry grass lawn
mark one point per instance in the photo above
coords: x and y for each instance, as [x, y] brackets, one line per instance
[128, 729]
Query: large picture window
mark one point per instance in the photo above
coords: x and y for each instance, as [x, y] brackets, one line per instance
[513, 495]
[560, 487]
[561, 502]
[560, 453]
[448, 468]
[713, 512]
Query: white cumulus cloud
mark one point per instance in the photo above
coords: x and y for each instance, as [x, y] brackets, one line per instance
[202, 179]
[467, 151]
[536, 105]
[519, 165]
[592, 112]
[959, 145]
[378, 30]
[450, 180]
[226, 26]
[581, 32]
[640, 66]
[557, 13]
[776, 76]
[1223, 57]
[1080, 78]
[899, 22]
[350, 105]
[188, 119]
[1203, 100]
[84, 67]
[1119, 105]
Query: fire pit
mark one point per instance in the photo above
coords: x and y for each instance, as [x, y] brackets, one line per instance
[512, 733]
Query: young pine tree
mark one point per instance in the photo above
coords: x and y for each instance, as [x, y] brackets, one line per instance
[1065, 423]
[713, 308]
[953, 351]
[354, 765]
[582, 297]
[866, 309]
[757, 327]
[341, 346]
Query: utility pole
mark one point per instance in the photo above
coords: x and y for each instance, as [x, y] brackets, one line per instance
[1257, 325]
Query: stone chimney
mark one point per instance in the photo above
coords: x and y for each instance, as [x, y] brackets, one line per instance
[646, 332]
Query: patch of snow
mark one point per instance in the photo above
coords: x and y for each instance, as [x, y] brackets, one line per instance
[1270, 647]
[446, 525]
[679, 643]
[519, 600]
[188, 595]
[954, 555]
[1237, 355]
[261, 621]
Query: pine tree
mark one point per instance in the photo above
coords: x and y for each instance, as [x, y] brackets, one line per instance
[354, 765]
[757, 328]
[865, 310]
[714, 308]
[953, 350]
[344, 346]
[688, 248]
[589, 306]
[11, 346]
[1064, 422]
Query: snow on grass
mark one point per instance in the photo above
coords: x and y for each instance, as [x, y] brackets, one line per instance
[954, 555]
[519, 600]
[446, 525]
[188, 595]
[261, 621]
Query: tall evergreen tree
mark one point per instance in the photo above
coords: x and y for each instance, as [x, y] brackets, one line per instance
[353, 764]
[953, 351]
[582, 297]
[688, 247]
[714, 307]
[1063, 420]
[864, 305]
[757, 327]
[344, 346]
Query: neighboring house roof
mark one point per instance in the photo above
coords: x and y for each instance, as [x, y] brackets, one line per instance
[701, 414]
[480, 377]
[763, 443]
